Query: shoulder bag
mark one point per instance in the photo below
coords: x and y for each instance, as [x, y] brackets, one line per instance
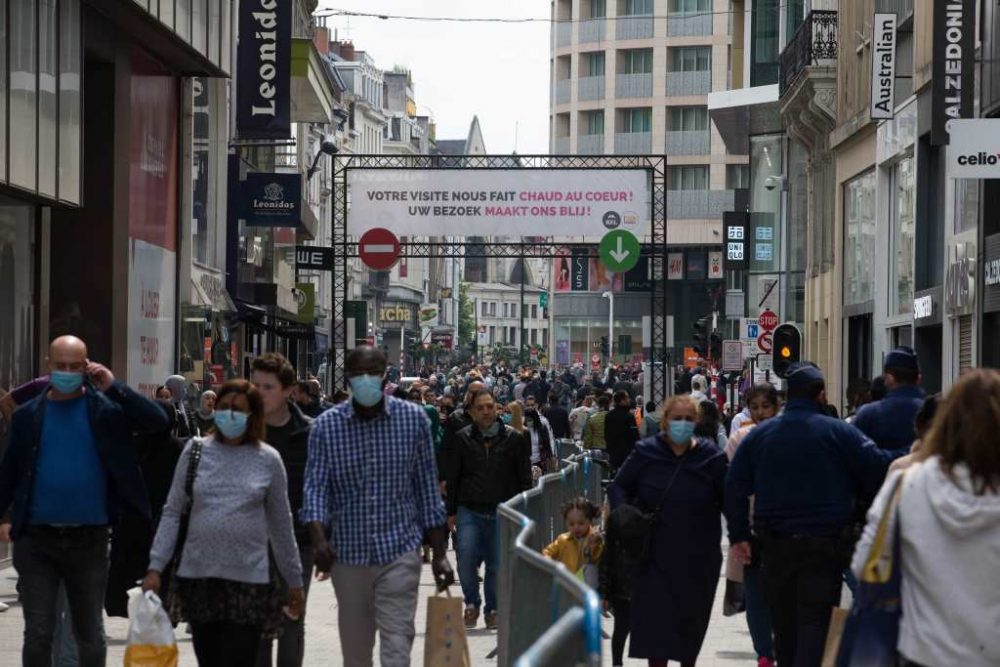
[637, 525]
[169, 577]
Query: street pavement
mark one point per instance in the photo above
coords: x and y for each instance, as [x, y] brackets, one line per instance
[727, 643]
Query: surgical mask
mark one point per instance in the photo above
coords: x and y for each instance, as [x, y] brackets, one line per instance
[366, 389]
[231, 423]
[680, 431]
[507, 418]
[66, 382]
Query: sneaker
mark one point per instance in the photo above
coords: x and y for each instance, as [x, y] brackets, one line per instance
[766, 662]
[471, 616]
[3, 607]
[491, 620]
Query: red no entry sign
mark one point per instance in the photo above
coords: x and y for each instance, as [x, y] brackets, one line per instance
[378, 249]
[765, 342]
[768, 320]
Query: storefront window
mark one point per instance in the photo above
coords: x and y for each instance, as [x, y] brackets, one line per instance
[23, 49]
[17, 286]
[901, 272]
[204, 167]
[859, 239]
[966, 204]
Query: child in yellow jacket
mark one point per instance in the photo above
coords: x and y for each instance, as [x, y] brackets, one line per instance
[582, 544]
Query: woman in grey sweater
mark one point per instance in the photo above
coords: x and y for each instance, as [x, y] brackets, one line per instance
[225, 588]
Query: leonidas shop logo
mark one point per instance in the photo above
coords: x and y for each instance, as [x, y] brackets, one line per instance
[980, 158]
[274, 199]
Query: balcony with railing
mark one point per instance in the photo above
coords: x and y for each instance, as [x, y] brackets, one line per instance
[814, 44]
[590, 88]
[901, 8]
[563, 32]
[633, 85]
[633, 27]
[688, 142]
[633, 143]
[689, 83]
[689, 24]
[560, 146]
[698, 204]
[593, 30]
[564, 90]
[590, 144]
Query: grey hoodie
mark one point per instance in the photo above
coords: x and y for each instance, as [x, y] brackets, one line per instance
[951, 560]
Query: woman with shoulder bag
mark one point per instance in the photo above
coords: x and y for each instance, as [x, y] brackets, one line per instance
[948, 518]
[679, 480]
[224, 586]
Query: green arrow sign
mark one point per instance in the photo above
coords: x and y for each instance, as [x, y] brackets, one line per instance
[619, 250]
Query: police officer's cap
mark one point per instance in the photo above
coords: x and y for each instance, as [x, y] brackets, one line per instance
[902, 357]
[801, 375]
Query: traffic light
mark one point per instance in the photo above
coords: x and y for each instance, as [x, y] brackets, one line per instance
[604, 345]
[701, 336]
[715, 346]
[787, 348]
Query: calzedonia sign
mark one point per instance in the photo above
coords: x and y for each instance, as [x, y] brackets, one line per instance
[272, 200]
[883, 66]
[263, 70]
[953, 65]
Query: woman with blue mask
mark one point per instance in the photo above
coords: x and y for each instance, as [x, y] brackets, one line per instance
[680, 478]
[239, 512]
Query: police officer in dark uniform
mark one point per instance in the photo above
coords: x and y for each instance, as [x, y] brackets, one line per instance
[889, 422]
[806, 471]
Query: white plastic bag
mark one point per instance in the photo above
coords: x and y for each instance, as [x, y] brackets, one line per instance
[151, 640]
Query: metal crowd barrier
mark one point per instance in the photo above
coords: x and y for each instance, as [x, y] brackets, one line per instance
[547, 615]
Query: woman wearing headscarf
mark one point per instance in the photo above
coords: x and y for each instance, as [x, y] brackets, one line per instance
[204, 417]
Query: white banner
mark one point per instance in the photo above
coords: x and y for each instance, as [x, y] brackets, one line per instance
[883, 89]
[974, 148]
[151, 311]
[509, 202]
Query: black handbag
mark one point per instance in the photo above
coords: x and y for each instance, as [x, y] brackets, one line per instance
[637, 525]
[169, 578]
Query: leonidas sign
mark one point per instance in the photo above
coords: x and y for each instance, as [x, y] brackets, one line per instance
[263, 70]
[515, 202]
[974, 150]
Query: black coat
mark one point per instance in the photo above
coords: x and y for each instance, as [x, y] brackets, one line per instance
[620, 434]
[294, 454]
[558, 420]
[484, 472]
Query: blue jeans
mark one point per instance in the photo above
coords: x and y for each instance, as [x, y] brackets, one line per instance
[477, 542]
[758, 614]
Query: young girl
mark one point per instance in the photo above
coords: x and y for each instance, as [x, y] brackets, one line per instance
[580, 548]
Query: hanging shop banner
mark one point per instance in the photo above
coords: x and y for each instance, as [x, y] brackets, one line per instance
[735, 225]
[953, 65]
[637, 278]
[429, 315]
[974, 148]
[602, 280]
[675, 266]
[272, 200]
[521, 202]
[315, 258]
[883, 101]
[714, 265]
[580, 270]
[560, 270]
[991, 274]
[305, 301]
[263, 70]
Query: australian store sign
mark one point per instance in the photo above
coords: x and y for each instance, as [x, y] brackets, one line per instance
[263, 70]
[883, 66]
[272, 200]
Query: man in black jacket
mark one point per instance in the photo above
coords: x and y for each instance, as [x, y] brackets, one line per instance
[287, 430]
[460, 418]
[620, 430]
[490, 464]
[557, 416]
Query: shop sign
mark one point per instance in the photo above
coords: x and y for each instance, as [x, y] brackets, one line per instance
[580, 270]
[264, 69]
[974, 148]
[883, 66]
[272, 200]
[216, 292]
[316, 258]
[675, 266]
[445, 340]
[923, 306]
[305, 299]
[953, 62]
[735, 231]
[395, 313]
[991, 274]
[714, 265]
[960, 279]
[429, 315]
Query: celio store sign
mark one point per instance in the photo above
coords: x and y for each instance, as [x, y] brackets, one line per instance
[974, 150]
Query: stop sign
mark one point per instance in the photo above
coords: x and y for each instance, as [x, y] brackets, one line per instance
[378, 249]
[768, 320]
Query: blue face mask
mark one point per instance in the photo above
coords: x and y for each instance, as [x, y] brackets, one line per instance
[680, 431]
[366, 389]
[507, 417]
[66, 382]
[231, 423]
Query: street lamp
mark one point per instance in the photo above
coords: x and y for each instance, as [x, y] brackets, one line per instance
[609, 295]
[325, 148]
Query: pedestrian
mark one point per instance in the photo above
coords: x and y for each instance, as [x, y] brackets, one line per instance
[204, 417]
[239, 513]
[162, 393]
[763, 404]
[620, 430]
[579, 415]
[557, 417]
[948, 513]
[580, 547]
[309, 404]
[371, 481]
[650, 422]
[921, 427]
[710, 424]
[593, 430]
[286, 429]
[741, 418]
[615, 575]
[806, 471]
[491, 464]
[186, 427]
[680, 478]
[543, 452]
[69, 471]
[889, 421]
[699, 387]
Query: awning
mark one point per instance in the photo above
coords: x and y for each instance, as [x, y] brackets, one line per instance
[209, 291]
[742, 113]
[313, 98]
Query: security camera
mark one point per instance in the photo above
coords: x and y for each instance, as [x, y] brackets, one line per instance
[772, 182]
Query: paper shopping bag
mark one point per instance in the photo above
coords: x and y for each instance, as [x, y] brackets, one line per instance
[151, 640]
[444, 643]
[833, 636]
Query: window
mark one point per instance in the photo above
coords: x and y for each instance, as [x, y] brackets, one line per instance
[688, 6]
[593, 122]
[688, 178]
[691, 59]
[493, 309]
[504, 309]
[692, 119]
[493, 335]
[636, 120]
[737, 176]
[637, 8]
[635, 61]
[598, 9]
[485, 309]
[859, 241]
[534, 336]
[593, 63]
[534, 312]
[967, 195]
[901, 270]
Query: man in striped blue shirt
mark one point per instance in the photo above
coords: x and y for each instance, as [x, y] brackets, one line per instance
[371, 480]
